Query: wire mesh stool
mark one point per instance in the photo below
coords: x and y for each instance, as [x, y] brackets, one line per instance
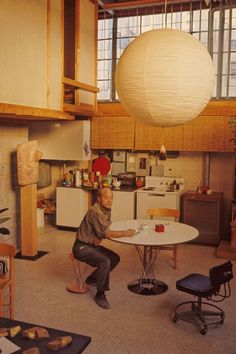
[78, 286]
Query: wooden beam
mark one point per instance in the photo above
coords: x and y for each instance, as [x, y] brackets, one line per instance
[140, 3]
[28, 220]
[8, 110]
[80, 85]
[82, 109]
[220, 108]
[214, 108]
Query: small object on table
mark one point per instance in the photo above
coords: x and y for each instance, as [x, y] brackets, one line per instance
[3, 332]
[33, 350]
[35, 333]
[59, 343]
[159, 228]
[13, 331]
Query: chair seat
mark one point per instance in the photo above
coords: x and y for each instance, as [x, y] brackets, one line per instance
[195, 284]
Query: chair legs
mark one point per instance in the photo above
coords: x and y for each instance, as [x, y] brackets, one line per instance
[175, 254]
[9, 305]
[200, 316]
[78, 286]
[11, 301]
[1, 303]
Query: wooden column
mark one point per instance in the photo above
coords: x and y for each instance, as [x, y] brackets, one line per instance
[28, 206]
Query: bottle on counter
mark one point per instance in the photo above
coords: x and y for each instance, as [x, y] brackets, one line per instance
[99, 179]
[199, 187]
[78, 179]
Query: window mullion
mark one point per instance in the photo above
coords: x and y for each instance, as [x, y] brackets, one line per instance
[229, 52]
[113, 58]
[220, 54]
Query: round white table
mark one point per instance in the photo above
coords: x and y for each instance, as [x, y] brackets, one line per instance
[147, 243]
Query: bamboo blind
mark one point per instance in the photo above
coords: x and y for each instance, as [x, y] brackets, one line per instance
[112, 133]
[204, 133]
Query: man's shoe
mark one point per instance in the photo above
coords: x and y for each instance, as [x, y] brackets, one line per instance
[101, 301]
[90, 281]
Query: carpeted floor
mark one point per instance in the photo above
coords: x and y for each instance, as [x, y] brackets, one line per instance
[135, 323]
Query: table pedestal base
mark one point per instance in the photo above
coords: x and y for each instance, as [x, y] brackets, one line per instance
[148, 287]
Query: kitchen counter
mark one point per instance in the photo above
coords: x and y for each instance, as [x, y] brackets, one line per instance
[92, 189]
[72, 199]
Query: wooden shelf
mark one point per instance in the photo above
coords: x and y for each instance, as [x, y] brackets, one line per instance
[79, 85]
[82, 110]
[12, 111]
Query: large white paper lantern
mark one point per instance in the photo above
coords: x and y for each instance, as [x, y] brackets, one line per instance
[165, 77]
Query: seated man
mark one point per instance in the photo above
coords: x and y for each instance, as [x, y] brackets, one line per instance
[93, 228]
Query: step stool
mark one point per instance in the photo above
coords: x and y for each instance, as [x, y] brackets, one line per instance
[78, 286]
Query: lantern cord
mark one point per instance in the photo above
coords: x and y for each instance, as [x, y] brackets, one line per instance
[162, 155]
[165, 13]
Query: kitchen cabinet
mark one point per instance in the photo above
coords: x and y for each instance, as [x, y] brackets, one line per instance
[204, 212]
[201, 134]
[62, 140]
[149, 137]
[123, 207]
[112, 133]
[149, 199]
[204, 133]
[71, 206]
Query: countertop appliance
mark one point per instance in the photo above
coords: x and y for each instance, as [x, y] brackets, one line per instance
[127, 179]
[157, 193]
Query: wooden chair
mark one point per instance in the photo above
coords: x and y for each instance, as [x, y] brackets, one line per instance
[166, 213]
[7, 252]
[78, 286]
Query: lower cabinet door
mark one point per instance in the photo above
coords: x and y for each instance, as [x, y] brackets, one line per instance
[72, 204]
[123, 207]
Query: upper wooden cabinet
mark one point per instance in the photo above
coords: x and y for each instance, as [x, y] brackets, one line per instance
[149, 137]
[204, 133]
[80, 56]
[37, 40]
[112, 133]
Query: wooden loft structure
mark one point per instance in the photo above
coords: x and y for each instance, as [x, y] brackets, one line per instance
[55, 76]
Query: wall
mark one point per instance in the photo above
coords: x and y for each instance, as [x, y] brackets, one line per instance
[190, 165]
[10, 136]
[58, 168]
[30, 56]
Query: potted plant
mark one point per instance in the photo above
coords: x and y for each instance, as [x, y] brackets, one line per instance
[4, 230]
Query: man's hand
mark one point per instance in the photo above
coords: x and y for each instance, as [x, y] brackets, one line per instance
[97, 242]
[129, 233]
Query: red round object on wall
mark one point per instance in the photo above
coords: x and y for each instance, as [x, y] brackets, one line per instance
[101, 164]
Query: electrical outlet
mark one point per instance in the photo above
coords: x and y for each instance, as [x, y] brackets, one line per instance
[1, 169]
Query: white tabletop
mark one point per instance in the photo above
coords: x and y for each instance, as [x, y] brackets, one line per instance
[174, 233]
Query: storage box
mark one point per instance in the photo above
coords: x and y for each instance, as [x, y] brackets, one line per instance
[159, 228]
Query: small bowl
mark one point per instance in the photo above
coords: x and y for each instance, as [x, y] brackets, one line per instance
[116, 184]
[143, 227]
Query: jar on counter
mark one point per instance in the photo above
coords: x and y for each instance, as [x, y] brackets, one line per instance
[140, 182]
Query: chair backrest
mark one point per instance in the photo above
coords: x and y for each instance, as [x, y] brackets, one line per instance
[170, 213]
[221, 275]
[9, 251]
